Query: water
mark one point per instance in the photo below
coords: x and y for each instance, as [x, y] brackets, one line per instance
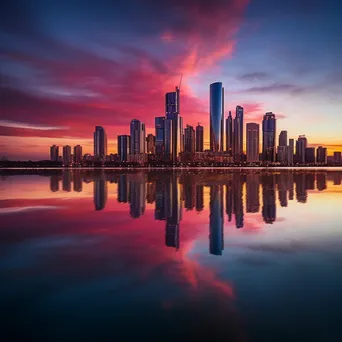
[172, 256]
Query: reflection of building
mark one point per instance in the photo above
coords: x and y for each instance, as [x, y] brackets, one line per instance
[321, 181]
[199, 197]
[269, 137]
[173, 211]
[199, 138]
[238, 200]
[124, 147]
[137, 187]
[77, 181]
[66, 180]
[252, 193]
[216, 220]
[137, 133]
[123, 189]
[216, 116]
[151, 192]
[100, 143]
[78, 154]
[100, 192]
[229, 134]
[229, 201]
[282, 189]
[189, 192]
[301, 193]
[54, 153]
[159, 211]
[67, 155]
[268, 198]
[310, 181]
[54, 183]
[252, 133]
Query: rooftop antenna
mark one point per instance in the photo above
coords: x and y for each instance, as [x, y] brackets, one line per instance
[180, 82]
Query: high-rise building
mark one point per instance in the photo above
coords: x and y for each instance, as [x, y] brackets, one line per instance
[151, 144]
[290, 152]
[137, 130]
[283, 138]
[310, 155]
[54, 153]
[174, 142]
[321, 155]
[238, 134]
[67, 155]
[189, 139]
[337, 158]
[269, 137]
[216, 116]
[252, 137]
[229, 134]
[78, 154]
[160, 135]
[124, 147]
[199, 138]
[282, 154]
[100, 143]
[301, 145]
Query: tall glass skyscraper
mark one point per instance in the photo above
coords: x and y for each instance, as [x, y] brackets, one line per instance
[159, 123]
[229, 133]
[252, 138]
[199, 138]
[100, 143]
[216, 116]
[138, 137]
[124, 147]
[174, 142]
[189, 139]
[238, 134]
[269, 137]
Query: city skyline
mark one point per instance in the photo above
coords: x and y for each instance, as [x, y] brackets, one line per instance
[62, 73]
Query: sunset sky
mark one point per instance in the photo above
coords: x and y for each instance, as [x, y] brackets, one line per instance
[67, 66]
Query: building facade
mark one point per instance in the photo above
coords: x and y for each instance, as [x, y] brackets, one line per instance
[78, 154]
[189, 140]
[301, 145]
[124, 147]
[238, 134]
[252, 138]
[216, 116]
[67, 155]
[269, 137]
[159, 123]
[151, 144]
[54, 153]
[100, 143]
[321, 155]
[199, 138]
[229, 134]
[138, 137]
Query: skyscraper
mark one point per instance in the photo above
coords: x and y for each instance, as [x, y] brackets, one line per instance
[252, 137]
[54, 153]
[189, 139]
[199, 138]
[229, 134]
[124, 147]
[137, 130]
[310, 155]
[67, 155]
[160, 135]
[337, 157]
[77, 154]
[283, 138]
[174, 128]
[100, 143]
[290, 152]
[216, 116]
[238, 134]
[151, 144]
[321, 155]
[301, 145]
[269, 137]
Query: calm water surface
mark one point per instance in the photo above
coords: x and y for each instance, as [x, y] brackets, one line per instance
[171, 256]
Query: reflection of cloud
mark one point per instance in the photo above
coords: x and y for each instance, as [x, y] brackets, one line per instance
[14, 210]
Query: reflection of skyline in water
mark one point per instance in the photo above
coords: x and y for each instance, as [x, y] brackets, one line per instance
[232, 193]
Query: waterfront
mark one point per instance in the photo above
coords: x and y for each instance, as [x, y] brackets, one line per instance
[240, 255]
